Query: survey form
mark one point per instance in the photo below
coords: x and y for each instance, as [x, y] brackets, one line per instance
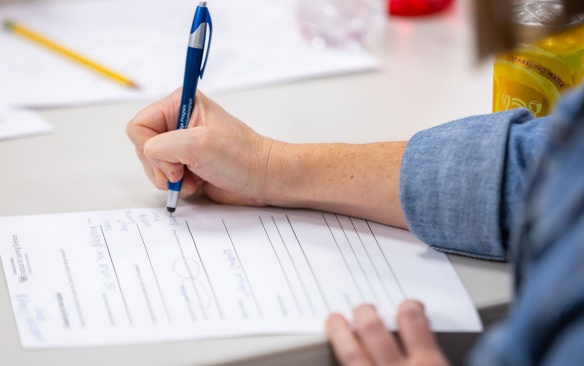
[138, 275]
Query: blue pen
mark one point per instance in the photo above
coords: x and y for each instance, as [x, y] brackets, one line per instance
[193, 71]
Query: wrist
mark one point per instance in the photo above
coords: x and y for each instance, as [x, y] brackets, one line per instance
[283, 175]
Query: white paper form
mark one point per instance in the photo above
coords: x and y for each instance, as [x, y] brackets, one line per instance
[99, 278]
[21, 123]
[254, 43]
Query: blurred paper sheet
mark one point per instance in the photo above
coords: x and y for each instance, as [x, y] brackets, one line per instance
[147, 41]
[20, 123]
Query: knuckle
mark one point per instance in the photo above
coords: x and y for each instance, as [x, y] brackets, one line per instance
[148, 148]
[131, 129]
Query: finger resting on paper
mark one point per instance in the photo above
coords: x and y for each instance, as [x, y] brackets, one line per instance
[379, 344]
[414, 328]
[346, 347]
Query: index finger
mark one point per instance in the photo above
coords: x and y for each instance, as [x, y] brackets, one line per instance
[155, 119]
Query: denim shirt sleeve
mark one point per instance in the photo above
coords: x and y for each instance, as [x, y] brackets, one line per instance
[461, 182]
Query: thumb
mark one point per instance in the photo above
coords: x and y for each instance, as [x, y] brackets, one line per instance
[171, 151]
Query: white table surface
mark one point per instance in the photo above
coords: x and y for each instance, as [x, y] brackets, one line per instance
[429, 77]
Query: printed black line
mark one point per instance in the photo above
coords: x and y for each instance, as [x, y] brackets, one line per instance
[295, 269]
[244, 273]
[281, 267]
[206, 274]
[326, 304]
[373, 265]
[154, 273]
[358, 261]
[348, 300]
[387, 261]
[192, 278]
[117, 278]
[344, 259]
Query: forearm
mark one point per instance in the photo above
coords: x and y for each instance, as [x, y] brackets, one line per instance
[359, 180]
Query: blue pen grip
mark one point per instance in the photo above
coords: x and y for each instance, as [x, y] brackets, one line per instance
[175, 186]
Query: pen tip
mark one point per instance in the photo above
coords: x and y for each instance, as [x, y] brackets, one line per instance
[170, 211]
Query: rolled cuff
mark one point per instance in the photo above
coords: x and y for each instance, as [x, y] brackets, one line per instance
[452, 184]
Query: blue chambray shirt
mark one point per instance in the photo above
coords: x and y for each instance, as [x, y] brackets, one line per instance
[510, 186]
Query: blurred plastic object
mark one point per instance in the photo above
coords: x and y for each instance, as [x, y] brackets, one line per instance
[417, 7]
[535, 74]
[340, 23]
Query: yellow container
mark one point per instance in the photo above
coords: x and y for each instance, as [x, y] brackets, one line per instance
[533, 76]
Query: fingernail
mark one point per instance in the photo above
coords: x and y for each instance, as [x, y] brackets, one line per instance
[334, 320]
[369, 307]
[411, 309]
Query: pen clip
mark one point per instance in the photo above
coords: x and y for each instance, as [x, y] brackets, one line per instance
[210, 23]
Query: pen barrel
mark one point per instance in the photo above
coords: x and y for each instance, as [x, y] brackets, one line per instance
[187, 103]
[192, 72]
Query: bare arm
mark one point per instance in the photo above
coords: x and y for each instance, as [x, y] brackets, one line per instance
[360, 180]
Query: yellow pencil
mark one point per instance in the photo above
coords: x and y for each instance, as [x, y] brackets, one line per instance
[38, 39]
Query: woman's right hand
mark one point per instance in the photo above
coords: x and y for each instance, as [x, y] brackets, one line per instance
[224, 158]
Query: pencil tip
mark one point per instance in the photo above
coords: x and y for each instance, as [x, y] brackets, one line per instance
[133, 85]
[8, 24]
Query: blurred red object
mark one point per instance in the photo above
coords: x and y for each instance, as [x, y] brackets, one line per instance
[416, 7]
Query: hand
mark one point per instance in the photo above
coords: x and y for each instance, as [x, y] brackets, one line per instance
[373, 345]
[225, 158]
